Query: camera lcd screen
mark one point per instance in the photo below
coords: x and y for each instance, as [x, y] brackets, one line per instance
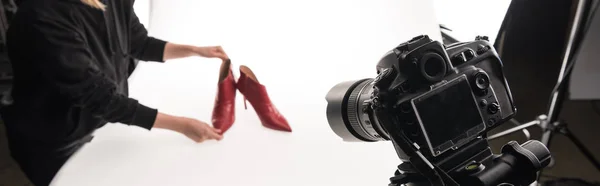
[449, 114]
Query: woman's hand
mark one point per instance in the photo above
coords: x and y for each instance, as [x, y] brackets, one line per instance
[200, 131]
[192, 128]
[211, 52]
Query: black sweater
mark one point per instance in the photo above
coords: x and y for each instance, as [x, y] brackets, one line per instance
[71, 63]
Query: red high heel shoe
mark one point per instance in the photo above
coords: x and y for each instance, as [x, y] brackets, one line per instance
[256, 94]
[223, 114]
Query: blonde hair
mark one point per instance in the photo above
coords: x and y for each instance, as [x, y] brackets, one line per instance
[94, 3]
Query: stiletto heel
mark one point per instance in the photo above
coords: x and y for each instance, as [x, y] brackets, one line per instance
[257, 95]
[245, 101]
[223, 114]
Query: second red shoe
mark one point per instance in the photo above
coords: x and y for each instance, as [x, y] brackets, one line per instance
[257, 95]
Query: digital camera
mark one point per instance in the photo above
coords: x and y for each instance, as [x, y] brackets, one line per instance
[439, 97]
[436, 104]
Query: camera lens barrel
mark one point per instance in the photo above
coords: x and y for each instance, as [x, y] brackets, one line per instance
[349, 113]
[356, 108]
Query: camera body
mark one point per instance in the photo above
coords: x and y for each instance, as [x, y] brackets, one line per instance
[440, 97]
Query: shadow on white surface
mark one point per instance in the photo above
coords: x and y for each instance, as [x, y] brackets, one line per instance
[298, 50]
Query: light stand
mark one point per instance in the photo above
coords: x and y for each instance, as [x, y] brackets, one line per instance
[549, 122]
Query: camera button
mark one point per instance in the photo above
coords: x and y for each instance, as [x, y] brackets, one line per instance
[458, 59]
[482, 49]
[491, 121]
[493, 108]
[469, 54]
[483, 103]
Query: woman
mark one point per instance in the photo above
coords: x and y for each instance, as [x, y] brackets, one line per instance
[71, 60]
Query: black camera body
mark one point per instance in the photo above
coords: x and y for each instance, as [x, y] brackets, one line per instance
[436, 104]
[442, 98]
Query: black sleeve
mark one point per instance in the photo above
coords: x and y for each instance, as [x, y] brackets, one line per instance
[62, 56]
[144, 47]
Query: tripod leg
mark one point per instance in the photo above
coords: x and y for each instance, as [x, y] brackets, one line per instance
[546, 137]
[548, 131]
[565, 131]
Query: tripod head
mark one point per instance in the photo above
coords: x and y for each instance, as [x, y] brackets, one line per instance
[516, 165]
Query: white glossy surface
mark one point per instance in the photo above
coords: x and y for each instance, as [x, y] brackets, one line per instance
[299, 50]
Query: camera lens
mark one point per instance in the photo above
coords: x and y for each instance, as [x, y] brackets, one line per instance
[349, 113]
[433, 67]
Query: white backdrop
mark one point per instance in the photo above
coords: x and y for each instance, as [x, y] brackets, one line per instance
[142, 10]
[298, 50]
[470, 18]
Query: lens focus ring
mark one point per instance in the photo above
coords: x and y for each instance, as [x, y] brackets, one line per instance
[349, 112]
[354, 112]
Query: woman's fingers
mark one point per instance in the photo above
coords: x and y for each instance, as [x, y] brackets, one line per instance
[214, 135]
